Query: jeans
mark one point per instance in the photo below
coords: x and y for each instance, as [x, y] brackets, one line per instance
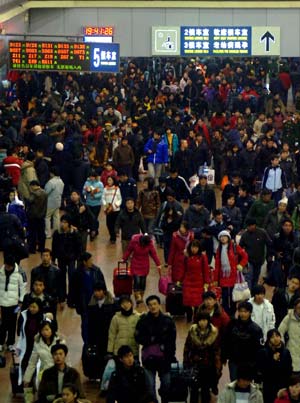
[96, 211]
[155, 171]
[165, 382]
[232, 370]
[149, 224]
[8, 325]
[252, 274]
[54, 214]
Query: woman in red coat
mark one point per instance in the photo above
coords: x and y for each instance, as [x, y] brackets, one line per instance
[195, 279]
[179, 243]
[141, 247]
[230, 258]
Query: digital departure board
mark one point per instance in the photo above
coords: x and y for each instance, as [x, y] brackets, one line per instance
[64, 56]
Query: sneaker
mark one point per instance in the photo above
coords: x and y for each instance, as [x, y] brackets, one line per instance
[11, 349]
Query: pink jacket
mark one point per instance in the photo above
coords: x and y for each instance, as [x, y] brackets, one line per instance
[140, 263]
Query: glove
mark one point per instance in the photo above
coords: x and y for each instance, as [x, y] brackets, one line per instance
[239, 267]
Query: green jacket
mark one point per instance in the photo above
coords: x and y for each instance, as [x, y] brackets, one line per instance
[259, 211]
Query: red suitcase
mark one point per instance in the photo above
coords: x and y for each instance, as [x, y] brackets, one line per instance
[122, 281]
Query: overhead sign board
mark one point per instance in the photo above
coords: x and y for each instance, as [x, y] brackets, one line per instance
[266, 41]
[165, 41]
[64, 56]
[216, 41]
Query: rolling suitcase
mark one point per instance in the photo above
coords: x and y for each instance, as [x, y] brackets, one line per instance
[14, 377]
[174, 303]
[122, 280]
[178, 391]
[90, 362]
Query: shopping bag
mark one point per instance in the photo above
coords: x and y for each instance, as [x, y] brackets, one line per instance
[241, 291]
[163, 283]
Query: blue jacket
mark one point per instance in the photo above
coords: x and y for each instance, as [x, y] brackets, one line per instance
[96, 200]
[160, 156]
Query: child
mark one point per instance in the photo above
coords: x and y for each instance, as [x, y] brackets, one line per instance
[108, 171]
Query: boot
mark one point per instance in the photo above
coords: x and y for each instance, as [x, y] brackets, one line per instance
[28, 395]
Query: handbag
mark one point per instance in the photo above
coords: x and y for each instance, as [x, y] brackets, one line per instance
[241, 291]
[163, 283]
[152, 353]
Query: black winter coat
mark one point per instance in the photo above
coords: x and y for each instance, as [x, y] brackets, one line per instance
[66, 246]
[281, 303]
[159, 330]
[82, 221]
[207, 194]
[243, 341]
[130, 224]
[53, 280]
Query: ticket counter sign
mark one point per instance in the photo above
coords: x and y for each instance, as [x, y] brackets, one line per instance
[216, 41]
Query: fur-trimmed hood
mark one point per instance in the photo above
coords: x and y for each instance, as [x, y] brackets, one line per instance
[206, 339]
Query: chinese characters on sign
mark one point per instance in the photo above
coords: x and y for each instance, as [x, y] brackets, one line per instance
[106, 57]
[219, 41]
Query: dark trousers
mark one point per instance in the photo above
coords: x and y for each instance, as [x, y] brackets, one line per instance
[83, 240]
[110, 223]
[96, 211]
[67, 266]
[8, 325]
[36, 234]
[206, 380]
[227, 302]
[277, 196]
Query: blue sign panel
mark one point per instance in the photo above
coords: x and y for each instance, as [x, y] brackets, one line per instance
[105, 57]
[216, 41]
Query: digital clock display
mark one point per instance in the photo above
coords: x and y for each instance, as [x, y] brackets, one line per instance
[98, 31]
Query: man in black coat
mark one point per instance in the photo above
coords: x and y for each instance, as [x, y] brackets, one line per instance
[81, 217]
[51, 275]
[101, 309]
[156, 332]
[205, 192]
[82, 286]
[179, 185]
[284, 298]
[129, 383]
[242, 340]
[130, 221]
[183, 160]
[66, 247]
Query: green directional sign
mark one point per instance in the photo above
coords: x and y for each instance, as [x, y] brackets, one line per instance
[165, 41]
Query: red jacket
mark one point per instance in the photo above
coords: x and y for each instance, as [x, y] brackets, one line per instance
[12, 166]
[176, 255]
[285, 79]
[105, 174]
[283, 397]
[196, 274]
[239, 257]
[140, 264]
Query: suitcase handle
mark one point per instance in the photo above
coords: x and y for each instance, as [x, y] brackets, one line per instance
[121, 271]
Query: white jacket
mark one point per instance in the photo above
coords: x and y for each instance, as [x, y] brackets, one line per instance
[41, 354]
[16, 288]
[291, 325]
[268, 316]
[112, 195]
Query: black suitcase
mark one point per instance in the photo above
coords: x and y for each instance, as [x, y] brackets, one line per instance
[14, 377]
[178, 391]
[174, 303]
[90, 362]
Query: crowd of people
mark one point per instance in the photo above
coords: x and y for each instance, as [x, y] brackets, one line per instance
[199, 158]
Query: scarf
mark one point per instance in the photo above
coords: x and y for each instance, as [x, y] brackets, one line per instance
[185, 238]
[225, 264]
